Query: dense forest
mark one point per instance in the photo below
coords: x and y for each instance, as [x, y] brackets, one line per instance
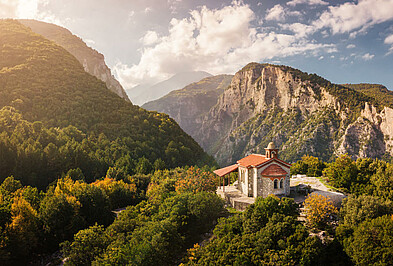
[168, 211]
[174, 216]
[56, 117]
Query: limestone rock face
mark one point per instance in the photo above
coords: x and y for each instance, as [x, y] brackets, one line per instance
[92, 61]
[302, 116]
[301, 113]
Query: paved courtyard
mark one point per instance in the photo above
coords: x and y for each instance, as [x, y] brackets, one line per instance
[240, 202]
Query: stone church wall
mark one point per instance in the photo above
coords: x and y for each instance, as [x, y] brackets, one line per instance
[264, 185]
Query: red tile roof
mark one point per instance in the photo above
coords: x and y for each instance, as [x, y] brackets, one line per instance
[274, 170]
[226, 170]
[253, 160]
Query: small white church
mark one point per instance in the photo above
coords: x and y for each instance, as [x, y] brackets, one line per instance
[261, 175]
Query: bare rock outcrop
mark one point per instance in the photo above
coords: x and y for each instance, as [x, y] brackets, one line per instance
[304, 114]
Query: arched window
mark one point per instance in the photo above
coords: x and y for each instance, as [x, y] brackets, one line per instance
[281, 183]
[275, 183]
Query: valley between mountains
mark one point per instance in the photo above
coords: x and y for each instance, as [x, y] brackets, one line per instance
[233, 116]
[87, 177]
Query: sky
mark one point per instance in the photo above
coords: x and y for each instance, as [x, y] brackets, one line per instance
[147, 41]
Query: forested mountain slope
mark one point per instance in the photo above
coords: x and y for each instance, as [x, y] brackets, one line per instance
[376, 91]
[43, 82]
[188, 105]
[93, 62]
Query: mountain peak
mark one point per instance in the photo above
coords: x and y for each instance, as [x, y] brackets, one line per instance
[141, 94]
[92, 61]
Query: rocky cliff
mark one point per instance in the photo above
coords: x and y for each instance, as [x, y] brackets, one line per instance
[188, 105]
[301, 113]
[92, 61]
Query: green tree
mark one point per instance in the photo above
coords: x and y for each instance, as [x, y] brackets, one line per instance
[60, 216]
[87, 244]
[342, 172]
[23, 231]
[144, 166]
[116, 173]
[159, 164]
[308, 165]
[10, 185]
[383, 182]
[75, 174]
[372, 242]
[358, 209]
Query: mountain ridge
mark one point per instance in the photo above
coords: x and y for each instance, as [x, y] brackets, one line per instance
[302, 113]
[142, 94]
[188, 105]
[92, 61]
[47, 85]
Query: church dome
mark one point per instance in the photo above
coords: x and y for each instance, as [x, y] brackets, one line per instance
[271, 146]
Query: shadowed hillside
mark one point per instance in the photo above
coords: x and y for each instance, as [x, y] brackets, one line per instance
[43, 82]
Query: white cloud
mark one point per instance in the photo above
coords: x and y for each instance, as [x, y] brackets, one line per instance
[27, 9]
[299, 29]
[279, 13]
[308, 2]
[275, 13]
[150, 38]
[351, 46]
[367, 56]
[8, 8]
[214, 40]
[389, 40]
[18, 8]
[321, 57]
[352, 16]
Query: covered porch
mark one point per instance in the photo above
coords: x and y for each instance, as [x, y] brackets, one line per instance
[230, 193]
[223, 174]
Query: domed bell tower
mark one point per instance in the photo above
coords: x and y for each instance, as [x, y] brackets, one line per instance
[271, 151]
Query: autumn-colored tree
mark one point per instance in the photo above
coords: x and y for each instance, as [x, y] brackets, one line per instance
[24, 227]
[120, 194]
[319, 210]
[196, 180]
